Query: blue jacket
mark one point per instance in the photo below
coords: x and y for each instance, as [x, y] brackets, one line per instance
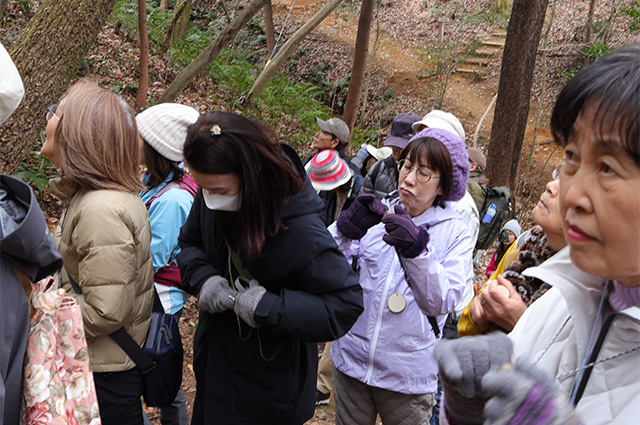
[393, 351]
[167, 214]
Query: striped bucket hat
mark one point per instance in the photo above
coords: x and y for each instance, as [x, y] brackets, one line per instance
[328, 171]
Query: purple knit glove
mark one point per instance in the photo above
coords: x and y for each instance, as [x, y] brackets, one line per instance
[366, 211]
[525, 395]
[409, 239]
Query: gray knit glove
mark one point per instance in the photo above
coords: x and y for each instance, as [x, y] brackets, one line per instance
[216, 295]
[247, 302]
[525, 395]
[462, 363]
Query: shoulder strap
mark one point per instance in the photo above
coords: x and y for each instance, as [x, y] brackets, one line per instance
[133, 350]
[582, 384]
[237, 263]
[186, 182]
[434, 325]
[159, 193]
[124, 340]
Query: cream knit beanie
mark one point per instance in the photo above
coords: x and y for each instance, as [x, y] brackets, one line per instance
[164, 127]
[442, 120]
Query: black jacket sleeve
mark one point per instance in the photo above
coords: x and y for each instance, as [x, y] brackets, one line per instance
[323, 298]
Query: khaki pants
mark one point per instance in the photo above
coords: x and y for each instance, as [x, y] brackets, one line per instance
[325, 384]
[358, 404]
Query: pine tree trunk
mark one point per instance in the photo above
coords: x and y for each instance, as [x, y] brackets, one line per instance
[49, 55]
[211, 52]
[143, 82]
[268, 27]
[514, 89]
[358, 71]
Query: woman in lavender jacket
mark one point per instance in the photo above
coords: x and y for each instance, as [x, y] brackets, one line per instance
[411, 253]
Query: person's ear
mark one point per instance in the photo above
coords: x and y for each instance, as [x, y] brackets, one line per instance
[473, 166]
[335, 142]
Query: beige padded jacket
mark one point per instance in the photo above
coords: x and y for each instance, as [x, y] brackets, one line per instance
[104, 237]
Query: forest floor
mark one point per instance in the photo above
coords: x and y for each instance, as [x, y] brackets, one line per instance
[397, 66]
[405, 28]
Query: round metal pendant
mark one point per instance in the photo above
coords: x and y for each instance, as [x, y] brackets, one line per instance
[397, 303]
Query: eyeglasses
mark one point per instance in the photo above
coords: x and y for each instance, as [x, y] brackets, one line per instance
[423, 174]
[556, 172]
[51, 112]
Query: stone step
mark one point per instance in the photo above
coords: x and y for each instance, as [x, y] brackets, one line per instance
[487, 51]
[477, 61]
[499, 33]
[466, 70]
[496, 43]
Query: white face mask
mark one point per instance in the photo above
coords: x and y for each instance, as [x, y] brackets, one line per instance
[221, 202]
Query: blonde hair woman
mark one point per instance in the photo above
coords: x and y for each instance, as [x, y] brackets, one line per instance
[104, 235]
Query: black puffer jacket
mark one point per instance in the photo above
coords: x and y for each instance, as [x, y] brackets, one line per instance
[381, 179]
[267, 376]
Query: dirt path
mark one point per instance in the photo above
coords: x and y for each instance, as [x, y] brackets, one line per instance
[399, 60]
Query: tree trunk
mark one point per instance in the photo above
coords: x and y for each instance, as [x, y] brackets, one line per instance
[211, 52]
[48, 64]
[164, 5]
[180, 31]
[268, 27]
[589, 30]
[143, 83]
[514, 89]
[178, 11]
[358, 71]
[285, 51]
[3, 6]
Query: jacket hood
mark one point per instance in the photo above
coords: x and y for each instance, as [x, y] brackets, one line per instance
[30, 246]
[305, 201]
[434, 214]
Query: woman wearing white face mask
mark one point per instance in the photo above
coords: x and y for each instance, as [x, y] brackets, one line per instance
[270, 280]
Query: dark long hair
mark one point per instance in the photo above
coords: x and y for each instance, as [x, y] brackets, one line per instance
[612, 86]
[251, 151]
[430, 152]
[159, 167]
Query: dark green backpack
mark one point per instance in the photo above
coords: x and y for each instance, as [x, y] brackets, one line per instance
[496, 210]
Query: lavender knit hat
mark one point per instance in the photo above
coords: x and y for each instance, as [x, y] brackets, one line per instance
[459, 159]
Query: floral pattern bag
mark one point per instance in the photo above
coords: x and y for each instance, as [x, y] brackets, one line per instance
[58, 382]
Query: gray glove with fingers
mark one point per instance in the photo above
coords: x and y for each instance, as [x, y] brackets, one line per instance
[216, 295]
[249, 296]
[462, 364]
